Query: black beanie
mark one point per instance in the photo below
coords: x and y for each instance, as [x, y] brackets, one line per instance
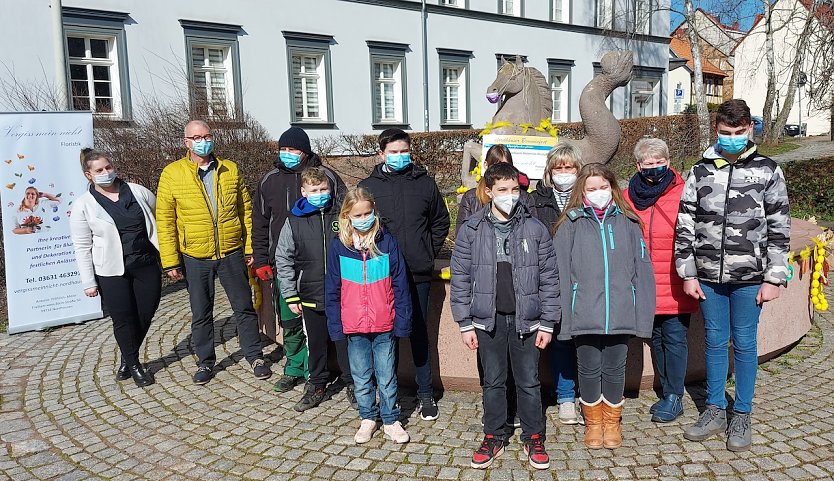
[296, 138]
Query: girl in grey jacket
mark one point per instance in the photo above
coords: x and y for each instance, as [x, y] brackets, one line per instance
[608, 295]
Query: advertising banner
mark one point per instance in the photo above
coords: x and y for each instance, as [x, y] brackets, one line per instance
[529, 152]
[40, 176]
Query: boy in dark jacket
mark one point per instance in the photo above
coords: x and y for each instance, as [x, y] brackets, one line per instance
[276, 194]
[505, 296]
[731, 250]
[300, 262]
[413, 210]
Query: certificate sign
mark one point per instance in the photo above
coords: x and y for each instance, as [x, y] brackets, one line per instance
[529, 152]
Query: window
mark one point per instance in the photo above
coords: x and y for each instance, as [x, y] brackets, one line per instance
[96, 59]
[510, 7]
[605, 14]
[643, 98]
[388, 83]
[560, 11]
[559, 80]
[213, 69]
[642, 16]
[453, 3]
[311, 99]
[454, 87]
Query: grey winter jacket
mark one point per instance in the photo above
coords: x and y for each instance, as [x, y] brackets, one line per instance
[535, 278]
[606, 275]
[734, 223]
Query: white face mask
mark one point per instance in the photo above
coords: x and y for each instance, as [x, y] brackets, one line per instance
[599, 198]
[563, 181]
[105, 180]
[505, 203]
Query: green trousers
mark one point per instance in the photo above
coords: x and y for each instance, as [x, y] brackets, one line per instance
[295, 345]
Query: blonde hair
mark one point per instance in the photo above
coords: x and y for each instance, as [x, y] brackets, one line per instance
[562, 154]
[313, 176]
[578, 193]
[346, 230]
[23, 202]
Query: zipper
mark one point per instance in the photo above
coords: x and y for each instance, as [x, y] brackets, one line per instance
[211, 209]
[514, 258]
[633, 295]
[611, 235]
[365, 282]
[724, 225]
[642, 249]
[605, 262]
[573, 297]
[651, 227]
[324, 241]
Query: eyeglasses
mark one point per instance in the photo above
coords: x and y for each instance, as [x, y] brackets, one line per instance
[198, 138]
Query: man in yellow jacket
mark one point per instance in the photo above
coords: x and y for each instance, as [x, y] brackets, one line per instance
[204, 218]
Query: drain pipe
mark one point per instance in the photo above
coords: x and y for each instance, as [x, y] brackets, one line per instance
[58, 54]
[424, 20]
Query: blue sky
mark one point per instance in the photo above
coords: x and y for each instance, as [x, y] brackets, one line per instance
[729, 11]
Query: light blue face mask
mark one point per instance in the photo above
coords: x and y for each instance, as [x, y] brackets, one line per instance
[202, 147]
[397, 161]
[289, 159]
[732, 144]
[319, 200]
[363, 225]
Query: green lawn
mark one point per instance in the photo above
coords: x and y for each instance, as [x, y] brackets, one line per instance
[771, 150]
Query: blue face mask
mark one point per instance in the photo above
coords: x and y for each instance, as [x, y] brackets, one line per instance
[732, 144]
[363, 225]
[202, 147]
[289, 159]
[319, 200]
[654, 174]
[397, 161]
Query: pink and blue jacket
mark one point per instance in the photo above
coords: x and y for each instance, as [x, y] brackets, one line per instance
[365, 294]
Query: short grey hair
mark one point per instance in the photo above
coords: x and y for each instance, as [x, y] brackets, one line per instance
[561, 154]
[648, 148]
[201, 123]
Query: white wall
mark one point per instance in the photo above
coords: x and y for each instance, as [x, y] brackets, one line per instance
[682, 76]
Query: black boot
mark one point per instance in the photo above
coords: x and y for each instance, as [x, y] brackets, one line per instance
[123, 373]
[141, 377]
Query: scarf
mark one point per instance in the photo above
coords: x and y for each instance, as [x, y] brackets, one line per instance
[562, 198]
[644, 194]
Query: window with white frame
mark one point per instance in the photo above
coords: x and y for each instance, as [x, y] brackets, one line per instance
[644, 98]
[309, 77]
[452, 3]
[388, 86]
[454, 87]
[560, 11]
[559, 95]
[510, 7]
[213, 69]
[96, 60]
[642, 16]
[605, 14]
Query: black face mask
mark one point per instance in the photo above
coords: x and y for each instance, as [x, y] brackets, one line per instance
[654, 175]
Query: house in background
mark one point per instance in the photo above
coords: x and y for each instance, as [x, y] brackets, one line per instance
[788, 20]
[330, 66]
[682, 75]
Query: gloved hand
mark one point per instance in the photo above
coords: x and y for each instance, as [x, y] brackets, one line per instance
[264, 273]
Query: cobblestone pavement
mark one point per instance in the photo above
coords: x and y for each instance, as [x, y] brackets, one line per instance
[809, 148]
[64, 417]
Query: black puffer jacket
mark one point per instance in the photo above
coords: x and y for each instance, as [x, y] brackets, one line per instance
[411, 207]
[544, 206]
[271, 204]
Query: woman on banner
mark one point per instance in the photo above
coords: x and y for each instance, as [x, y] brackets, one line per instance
[114, 232]
[35, 209]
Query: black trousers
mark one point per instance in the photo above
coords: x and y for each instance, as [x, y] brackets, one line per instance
[601, 363]
[318, 339]
[132, 300]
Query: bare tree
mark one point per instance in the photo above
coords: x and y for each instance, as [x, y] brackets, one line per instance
[698, 75]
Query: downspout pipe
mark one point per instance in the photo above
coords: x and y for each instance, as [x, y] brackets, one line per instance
[424, 21]
[60, 63]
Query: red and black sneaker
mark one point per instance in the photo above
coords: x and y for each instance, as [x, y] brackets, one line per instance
[534, 449]
[490, 449]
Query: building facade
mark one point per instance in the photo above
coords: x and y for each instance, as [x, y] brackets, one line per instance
[682, 75]
[353, 66]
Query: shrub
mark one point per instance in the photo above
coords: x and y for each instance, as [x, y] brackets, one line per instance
[811, 188]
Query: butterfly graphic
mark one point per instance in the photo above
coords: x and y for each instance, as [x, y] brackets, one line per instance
[10, 186]
[31, 167]
[18, 175]
[21, 157]
[10, 204]
[8, 161]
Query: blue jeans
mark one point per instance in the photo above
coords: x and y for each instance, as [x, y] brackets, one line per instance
[373, 355]
[730, 311]
[562, 356]
[670, 351]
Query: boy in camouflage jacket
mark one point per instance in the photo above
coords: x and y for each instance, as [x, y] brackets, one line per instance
[731, 249]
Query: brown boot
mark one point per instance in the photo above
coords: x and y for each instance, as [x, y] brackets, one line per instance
[593, 424]
[612, 432]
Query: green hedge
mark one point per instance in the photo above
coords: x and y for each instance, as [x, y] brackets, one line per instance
[811, 188]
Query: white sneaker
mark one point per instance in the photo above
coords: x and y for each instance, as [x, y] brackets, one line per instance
[396, 432]
[567, 413]
[366, 431]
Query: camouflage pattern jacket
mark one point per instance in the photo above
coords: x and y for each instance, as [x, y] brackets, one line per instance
[734, 223]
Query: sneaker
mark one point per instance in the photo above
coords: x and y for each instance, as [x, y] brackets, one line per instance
[351, 397]
[567, 413]
[396, 432]
[366, 431]
[739, 433]
[491, 448]
[202, 376]
[670, 409]
[712, 421]
[260, 369]
[287, 383]
[534, 449]
[656, 405]
[313, 396]
[427, 408]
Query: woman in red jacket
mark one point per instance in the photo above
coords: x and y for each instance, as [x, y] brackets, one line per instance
[655, 193]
